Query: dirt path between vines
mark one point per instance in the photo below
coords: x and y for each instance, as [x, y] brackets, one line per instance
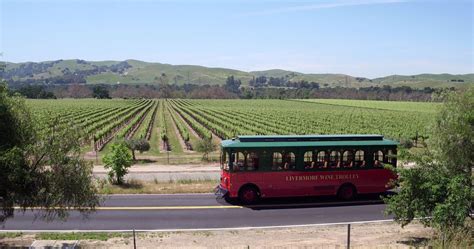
[180, 139]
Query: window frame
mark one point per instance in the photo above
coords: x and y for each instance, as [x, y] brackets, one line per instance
[337, 159]
[255, 165]
[322, 160]
[290, 158]
[347, 160]
[377, 154]
[275, 164]
[225, 160]
[309, 154]
[235, 162]
[357, 157]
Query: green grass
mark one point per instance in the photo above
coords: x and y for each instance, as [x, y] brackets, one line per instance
[81, 236]
[10, 235]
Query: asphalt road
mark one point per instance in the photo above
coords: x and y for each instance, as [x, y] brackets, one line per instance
[203, 211]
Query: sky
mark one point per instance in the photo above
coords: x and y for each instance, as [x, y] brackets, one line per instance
[366, 38]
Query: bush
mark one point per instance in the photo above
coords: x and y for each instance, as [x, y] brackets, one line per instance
[118, 160]
[137, 144]
[438, 188]
[406, 143]
[205, 146]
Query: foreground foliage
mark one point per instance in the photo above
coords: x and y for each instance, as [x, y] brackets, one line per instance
[41, 164]
[438, 189]
[118, 160]
[206, 146]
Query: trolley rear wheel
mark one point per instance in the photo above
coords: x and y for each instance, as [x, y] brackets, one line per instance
[249, 195]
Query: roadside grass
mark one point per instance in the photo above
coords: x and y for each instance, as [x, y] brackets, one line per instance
[81, 236]
[9, 235]
[134, 186]
[462, 238]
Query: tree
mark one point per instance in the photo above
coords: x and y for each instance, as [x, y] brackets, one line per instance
[41, 163]
[438, 190]
[36, 92]
[100, 92]
[79, 91]
[164, 79]
[118, 160]
[137, 144]
[165, 139]
[205, 146]
[232, 85]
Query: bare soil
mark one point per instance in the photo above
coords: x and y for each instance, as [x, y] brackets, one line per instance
[371, 235]
[374, 235]
[178, 136]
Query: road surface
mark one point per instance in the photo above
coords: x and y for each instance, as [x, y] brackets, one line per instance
[203, 211]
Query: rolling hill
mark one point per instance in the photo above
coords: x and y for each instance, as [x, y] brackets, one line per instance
[140, 72]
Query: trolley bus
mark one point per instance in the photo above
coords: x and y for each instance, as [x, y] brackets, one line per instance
[254, 167]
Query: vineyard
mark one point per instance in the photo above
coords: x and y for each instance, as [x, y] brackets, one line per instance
[175, 125]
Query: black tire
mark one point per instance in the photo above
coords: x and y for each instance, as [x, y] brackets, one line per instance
[347, 192]
[249, 195]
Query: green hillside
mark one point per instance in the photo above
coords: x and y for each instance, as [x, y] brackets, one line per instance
[140, 72]
[427, 80]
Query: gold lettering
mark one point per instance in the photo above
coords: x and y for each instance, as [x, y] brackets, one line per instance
[321, 177]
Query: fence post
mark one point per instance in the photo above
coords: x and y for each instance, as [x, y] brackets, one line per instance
[348, 236]
[134, 243]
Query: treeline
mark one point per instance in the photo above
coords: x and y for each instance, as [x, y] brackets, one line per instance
[27, 71]
[231, 90]
[263, 81]
[35, 92]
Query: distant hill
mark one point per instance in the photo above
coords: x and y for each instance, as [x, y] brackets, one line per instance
[139, 72]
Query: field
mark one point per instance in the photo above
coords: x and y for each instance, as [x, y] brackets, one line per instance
[174, 126]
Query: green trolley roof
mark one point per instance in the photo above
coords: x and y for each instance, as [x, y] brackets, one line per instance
[307, 141]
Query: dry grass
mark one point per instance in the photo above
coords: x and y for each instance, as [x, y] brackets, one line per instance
[158, 187]
[374, 235]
